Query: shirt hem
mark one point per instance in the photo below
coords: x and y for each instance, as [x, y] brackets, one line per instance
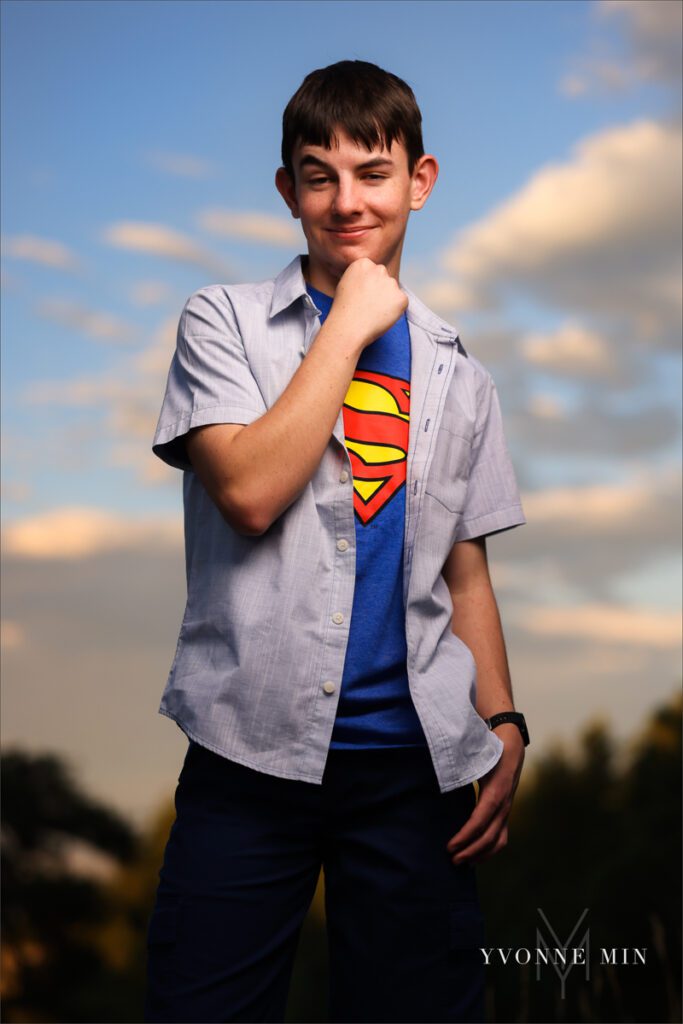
[477, 773]
[302, 777]
[191, 735]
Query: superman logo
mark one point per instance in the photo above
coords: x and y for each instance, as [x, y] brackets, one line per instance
[376, 424]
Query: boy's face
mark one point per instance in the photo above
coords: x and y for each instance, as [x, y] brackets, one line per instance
[353, 203]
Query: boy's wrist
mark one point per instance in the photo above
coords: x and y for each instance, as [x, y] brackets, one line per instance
[346, 337]
[509, 722]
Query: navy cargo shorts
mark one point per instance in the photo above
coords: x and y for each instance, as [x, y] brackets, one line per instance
[404, 925]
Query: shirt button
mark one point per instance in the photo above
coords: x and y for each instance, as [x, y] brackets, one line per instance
[329, 687]
[342, 544]
[343, 477]
[338, 618]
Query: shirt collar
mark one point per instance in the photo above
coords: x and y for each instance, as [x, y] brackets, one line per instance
[290, 285]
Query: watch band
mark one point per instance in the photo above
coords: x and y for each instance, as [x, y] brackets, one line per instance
[515, 717]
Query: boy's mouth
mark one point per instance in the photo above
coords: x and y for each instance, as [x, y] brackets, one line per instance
[348, 232]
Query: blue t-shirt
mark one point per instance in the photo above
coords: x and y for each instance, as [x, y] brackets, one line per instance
[375, 707]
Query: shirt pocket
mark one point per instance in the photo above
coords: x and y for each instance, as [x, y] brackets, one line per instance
[449, 470]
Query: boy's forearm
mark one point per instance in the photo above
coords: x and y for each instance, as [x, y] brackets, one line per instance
[273, 458]
[255, 474]
[476, 621]
[278, 454]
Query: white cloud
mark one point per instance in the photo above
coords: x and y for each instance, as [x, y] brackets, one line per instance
[129, 396]
[77, 532]
[635, 627]
[16, 490]
[596, 537]
[444, 294]
[250, 226]
[182, 165]
[592, 428]
[573, 85]
[546, 407]
[160, 240]
[599, 233]
[150, 293]
[45, 251]
[91, 322]
[602, 508]
[154, 361]
[572, 349]
[650, 33]
[12, 635]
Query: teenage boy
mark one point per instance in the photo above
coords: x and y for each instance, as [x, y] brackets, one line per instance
[341, 670]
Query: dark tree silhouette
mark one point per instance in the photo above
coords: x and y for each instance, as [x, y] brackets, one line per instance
[594, 825]
[585, 833]
[52, 970]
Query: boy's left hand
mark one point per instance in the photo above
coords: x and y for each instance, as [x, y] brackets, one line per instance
[486, 831]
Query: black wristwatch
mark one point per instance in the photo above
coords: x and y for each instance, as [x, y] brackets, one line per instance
[516, 717]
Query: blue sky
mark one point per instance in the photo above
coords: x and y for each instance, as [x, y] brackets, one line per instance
[139, 146]
[93, 90]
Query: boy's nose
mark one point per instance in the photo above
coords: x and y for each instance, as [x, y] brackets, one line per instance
[346, 199]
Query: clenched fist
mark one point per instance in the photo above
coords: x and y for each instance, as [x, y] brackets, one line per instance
[367, 301]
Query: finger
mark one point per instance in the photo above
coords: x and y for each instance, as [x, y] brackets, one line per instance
[474, 827]
[476, 846]
[479, 820]
[486, 854]
[488, 845]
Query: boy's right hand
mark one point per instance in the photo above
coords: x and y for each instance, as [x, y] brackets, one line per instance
[367, 301]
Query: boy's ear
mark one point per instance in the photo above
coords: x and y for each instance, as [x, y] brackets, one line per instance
[285, 187]
[425, 173]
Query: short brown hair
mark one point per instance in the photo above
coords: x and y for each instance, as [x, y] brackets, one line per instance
[373, 107]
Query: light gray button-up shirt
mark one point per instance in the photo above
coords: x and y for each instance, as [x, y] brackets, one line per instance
[258, 666]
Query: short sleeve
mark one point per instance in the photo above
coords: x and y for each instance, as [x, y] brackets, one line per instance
[210, 380]
[492, 501]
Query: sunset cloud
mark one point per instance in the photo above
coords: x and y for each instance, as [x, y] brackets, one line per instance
[129, 396]
[582, 540]
[77, 532]
[91, 322]
[150, 293]
[160, 240]
[602, 507]
[572, 349]
[45, 251]
[598, 234]
[12, 635]
[592, 428]
[635, 627]
[250, 226]
[181, 165]
[546, 407]
[651, 32]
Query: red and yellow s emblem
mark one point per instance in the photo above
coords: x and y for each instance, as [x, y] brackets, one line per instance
[376, 424]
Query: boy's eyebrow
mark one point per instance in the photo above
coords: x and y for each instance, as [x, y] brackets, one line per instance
[377, 161]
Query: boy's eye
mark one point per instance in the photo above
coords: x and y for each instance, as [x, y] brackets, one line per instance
[319, 180]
